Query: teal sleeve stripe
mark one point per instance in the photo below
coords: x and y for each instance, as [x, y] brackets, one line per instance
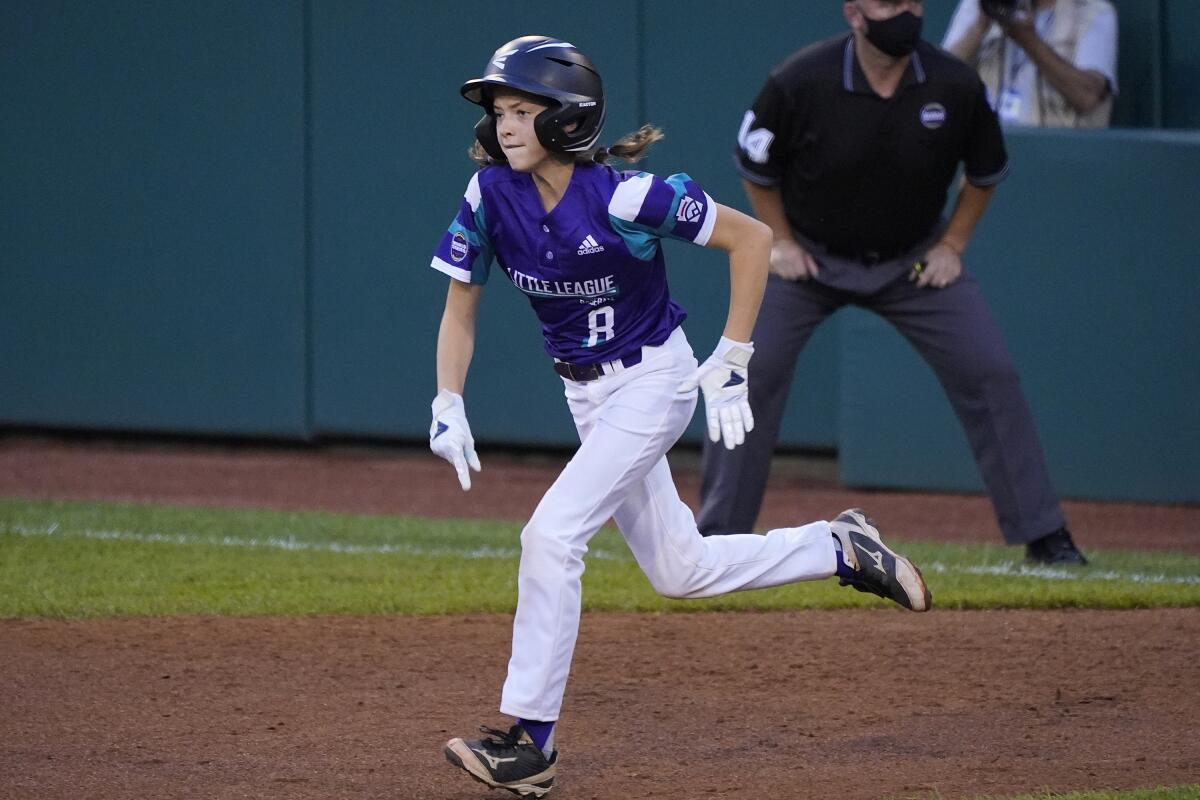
[473, 238]
[641, 241]
[481, 222]
[483, 262]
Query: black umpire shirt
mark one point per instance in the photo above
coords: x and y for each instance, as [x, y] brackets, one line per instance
[867, 177]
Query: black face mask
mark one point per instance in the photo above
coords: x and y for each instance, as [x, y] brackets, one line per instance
[897, 36]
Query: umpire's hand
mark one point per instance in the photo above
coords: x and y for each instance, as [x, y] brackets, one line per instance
[941, 267]
[792, 262]
[450, 435]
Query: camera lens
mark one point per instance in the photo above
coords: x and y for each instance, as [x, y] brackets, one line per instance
[999, 9]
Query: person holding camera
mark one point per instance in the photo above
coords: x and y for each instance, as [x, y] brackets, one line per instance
[1050, 63]
[848, 154]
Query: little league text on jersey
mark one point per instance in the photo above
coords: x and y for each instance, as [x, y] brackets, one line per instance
[584, 290]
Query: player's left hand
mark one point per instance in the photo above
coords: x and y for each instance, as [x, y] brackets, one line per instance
[724, 379]
[450, 435]
[941, 267]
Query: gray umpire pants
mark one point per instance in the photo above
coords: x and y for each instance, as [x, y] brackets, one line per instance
[953, 330]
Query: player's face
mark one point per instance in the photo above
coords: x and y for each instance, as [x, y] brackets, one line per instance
[515, 113]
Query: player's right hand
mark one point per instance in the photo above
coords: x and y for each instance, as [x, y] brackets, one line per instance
[450, 435]
[792, 262]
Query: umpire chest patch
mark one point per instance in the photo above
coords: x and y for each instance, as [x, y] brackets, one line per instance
[933, 115]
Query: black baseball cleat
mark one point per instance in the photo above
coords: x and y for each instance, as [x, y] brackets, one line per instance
[878, 569]
[505, 761]
[1055, 549]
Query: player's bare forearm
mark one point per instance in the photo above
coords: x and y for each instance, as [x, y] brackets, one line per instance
[968, 210]
[768, 207]
[456, 335]
[748, 243]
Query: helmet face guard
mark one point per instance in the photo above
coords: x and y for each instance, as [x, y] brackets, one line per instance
[556, 73]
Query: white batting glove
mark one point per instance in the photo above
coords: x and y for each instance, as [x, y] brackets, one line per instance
[724, 380]
[450, 435]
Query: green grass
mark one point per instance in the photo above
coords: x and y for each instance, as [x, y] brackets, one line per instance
[1162, 793]
[75, 559]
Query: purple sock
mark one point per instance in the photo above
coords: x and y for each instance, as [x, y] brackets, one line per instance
[540, 732]
[843, 569]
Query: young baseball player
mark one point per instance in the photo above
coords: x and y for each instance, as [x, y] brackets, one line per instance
[581, 240]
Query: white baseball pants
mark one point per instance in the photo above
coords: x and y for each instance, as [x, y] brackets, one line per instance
[627, 422]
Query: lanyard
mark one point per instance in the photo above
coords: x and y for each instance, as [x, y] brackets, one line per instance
[1042, 23]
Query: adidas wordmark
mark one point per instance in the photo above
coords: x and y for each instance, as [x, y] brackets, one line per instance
[589, 245]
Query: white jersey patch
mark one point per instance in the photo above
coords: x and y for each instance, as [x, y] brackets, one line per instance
[689, 210]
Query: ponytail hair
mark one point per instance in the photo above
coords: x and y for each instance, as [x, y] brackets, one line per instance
[477, 154]
[631, 147]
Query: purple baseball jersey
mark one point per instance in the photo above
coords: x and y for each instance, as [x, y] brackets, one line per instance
[592, 268]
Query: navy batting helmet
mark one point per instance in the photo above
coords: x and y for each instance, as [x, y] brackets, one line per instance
[550, 69]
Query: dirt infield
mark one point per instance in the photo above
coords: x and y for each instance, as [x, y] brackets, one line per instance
[862, 704]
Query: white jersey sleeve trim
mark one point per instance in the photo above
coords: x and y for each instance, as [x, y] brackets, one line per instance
[458, 273]
[626, 202]
[753, 177]
[472, 195]
[710, 221]
[985, 181]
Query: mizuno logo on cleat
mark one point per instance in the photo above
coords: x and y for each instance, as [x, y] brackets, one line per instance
[493, 762]
[876, 557]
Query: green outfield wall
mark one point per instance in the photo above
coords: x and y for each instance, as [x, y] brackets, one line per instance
[216, 220]
[152, 216]
[1089, 257]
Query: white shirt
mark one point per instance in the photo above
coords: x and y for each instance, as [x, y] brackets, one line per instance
[1097, 48]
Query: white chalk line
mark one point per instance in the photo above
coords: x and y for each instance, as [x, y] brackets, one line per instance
[1010, 569]
[288, 542]
[1007, 569]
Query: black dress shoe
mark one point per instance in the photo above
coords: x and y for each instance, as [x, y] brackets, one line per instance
[1054, 549]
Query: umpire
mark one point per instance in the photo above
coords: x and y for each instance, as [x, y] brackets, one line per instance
[848, 154]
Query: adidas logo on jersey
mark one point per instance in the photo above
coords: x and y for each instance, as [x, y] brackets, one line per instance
[589, 245]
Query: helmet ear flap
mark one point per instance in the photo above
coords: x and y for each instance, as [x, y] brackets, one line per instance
[585, 124]
[485, 133]
[547, 128]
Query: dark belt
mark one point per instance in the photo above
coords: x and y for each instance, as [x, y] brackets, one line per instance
[582, 373]
[871, 257]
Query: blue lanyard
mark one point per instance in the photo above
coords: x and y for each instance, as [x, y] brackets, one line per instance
[1041, 24]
